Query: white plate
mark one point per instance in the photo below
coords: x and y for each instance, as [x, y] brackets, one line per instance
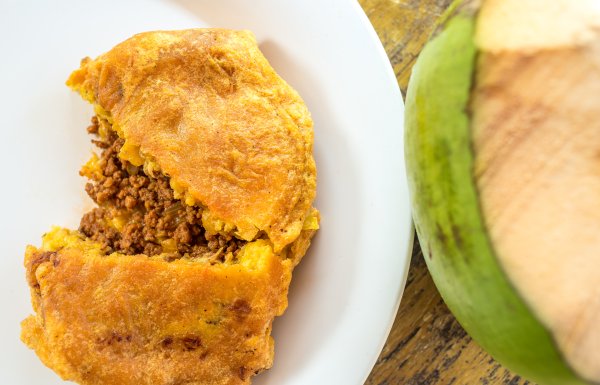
[346, 291]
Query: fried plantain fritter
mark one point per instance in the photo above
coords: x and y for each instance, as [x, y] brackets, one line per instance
[204, 184]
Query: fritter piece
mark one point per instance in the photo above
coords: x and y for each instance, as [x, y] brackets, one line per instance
[134, 320]
[204, 188]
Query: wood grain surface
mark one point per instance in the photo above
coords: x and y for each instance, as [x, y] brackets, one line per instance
[427, 345]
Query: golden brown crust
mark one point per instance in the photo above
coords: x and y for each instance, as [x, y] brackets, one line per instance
[137, 320]
[208, 110]
[207, 107]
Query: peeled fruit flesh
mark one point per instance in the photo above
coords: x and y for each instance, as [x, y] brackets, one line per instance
[503, 158]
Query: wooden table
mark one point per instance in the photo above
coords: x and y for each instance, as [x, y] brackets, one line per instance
[426, 346]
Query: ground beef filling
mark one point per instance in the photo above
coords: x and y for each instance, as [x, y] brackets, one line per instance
[138, 213]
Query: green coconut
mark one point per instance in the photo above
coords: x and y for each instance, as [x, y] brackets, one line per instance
[503, 160]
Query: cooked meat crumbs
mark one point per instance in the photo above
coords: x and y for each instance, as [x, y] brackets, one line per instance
[138, 213]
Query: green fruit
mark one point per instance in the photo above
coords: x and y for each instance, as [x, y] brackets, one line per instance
[457, 130]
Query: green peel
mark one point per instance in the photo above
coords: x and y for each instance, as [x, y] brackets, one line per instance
[448, 218]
